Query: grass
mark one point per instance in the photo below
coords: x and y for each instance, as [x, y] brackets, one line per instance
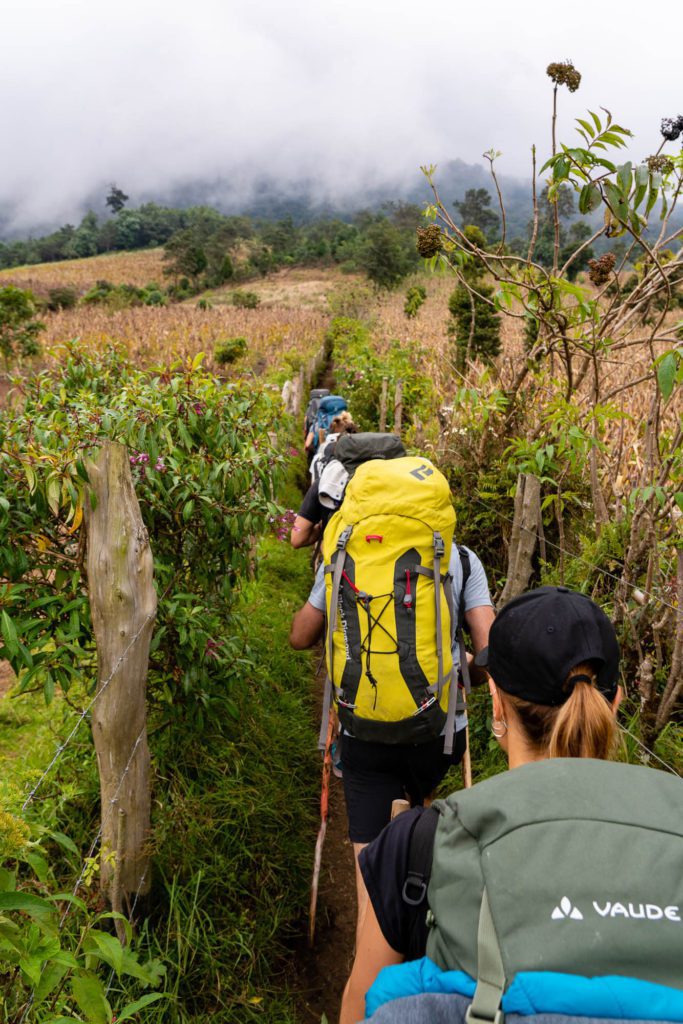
[234, 829]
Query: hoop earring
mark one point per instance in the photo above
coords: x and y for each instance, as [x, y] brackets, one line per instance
[499, 732]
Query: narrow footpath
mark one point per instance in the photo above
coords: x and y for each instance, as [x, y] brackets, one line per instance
[322, 971]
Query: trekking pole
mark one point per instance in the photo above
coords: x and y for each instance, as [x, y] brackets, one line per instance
[324, 800]
[466, 759]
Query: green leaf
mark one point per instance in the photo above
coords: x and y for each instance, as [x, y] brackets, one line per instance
[666, 374]
[678, 498]
[8, 880]
[49, 979]
[624, 177]
[596, 119]
[561, 169]
[35, 906]
[88, 991]
[589, 198]
[9, 635]
[587, 126]
[642, 175]
[39, 865]
[106, 947]
[129, 1011]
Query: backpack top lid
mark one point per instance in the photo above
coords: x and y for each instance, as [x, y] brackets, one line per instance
[331, 404]
[317, 393]
[354, 449]
[406, 487]
[581, 860]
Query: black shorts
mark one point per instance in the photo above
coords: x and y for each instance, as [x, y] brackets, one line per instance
[375, 774]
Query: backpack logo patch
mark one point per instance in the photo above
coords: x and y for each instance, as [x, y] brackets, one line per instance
[422, 472]
[565, 909]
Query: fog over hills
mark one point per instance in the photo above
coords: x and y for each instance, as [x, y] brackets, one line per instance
[263, 196]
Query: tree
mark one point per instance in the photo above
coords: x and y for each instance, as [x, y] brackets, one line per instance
[474, 209]
[184, 256]
[385, 254]
[117, 199]
[18, 329]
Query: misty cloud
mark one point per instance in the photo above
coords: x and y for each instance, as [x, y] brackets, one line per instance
[350, 95]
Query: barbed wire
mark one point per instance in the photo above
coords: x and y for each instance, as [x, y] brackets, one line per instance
[61, 748]
[88, 858]
[648, 751]
[104, 821]
[584, 561]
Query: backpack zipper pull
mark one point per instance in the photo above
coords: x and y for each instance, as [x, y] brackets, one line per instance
[408, 598]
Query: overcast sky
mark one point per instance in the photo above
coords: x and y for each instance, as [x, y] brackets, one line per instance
[152, 94]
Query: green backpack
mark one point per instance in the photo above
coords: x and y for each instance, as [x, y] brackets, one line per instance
[566, 865]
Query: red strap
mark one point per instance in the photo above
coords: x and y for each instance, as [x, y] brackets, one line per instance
[350, 582]
[374, 536]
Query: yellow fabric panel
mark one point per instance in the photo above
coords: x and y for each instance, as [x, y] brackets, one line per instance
[403, 501]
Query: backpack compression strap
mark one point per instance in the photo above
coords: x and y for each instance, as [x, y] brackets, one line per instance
[455, 702]
[439, 551]
[414, 892]
[485, 1007]
[337, 569]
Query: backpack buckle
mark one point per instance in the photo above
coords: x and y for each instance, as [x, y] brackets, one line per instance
[344, 538]
[439, 546]
[477, 1018]
[418, 884]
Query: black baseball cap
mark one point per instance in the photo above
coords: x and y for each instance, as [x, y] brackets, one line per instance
[539, 636]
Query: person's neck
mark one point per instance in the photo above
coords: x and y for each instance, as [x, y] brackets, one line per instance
[519, 752]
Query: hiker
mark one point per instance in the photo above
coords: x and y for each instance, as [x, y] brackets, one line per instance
[328, 407]
[550, 877]
[390, 753]
[341, 424]
[325, 493]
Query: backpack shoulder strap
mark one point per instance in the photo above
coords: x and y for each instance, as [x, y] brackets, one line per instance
[466, 566]
[414, 893]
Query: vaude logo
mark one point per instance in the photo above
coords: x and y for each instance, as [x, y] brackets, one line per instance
[634, 911]
[566, 909]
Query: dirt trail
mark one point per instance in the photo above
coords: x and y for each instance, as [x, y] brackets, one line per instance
[321, 972]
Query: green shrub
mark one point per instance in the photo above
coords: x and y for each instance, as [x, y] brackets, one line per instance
[482, 338]
[246, 300]
[360, 372]
[61, 298]
[18, 327]
[229, 351]
[415, 297]
[204, 304]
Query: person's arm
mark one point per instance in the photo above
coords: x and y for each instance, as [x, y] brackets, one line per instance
[304, 532]
[372, 954]
[307, 627]
[479, 622]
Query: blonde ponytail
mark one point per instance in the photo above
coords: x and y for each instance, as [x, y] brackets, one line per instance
[584, 726]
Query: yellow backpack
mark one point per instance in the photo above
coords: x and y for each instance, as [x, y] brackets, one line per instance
[389, 628]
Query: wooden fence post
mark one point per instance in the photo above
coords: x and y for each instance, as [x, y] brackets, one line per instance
[287, 395]
[123, 608]
[383, 405]
[525, 531]
[398, 407]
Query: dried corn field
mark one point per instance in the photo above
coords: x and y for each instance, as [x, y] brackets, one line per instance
[138, 268]
[624, 372]
[278, 338]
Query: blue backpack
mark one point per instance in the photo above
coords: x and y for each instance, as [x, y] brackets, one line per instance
[328, 407]
[312, 408]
